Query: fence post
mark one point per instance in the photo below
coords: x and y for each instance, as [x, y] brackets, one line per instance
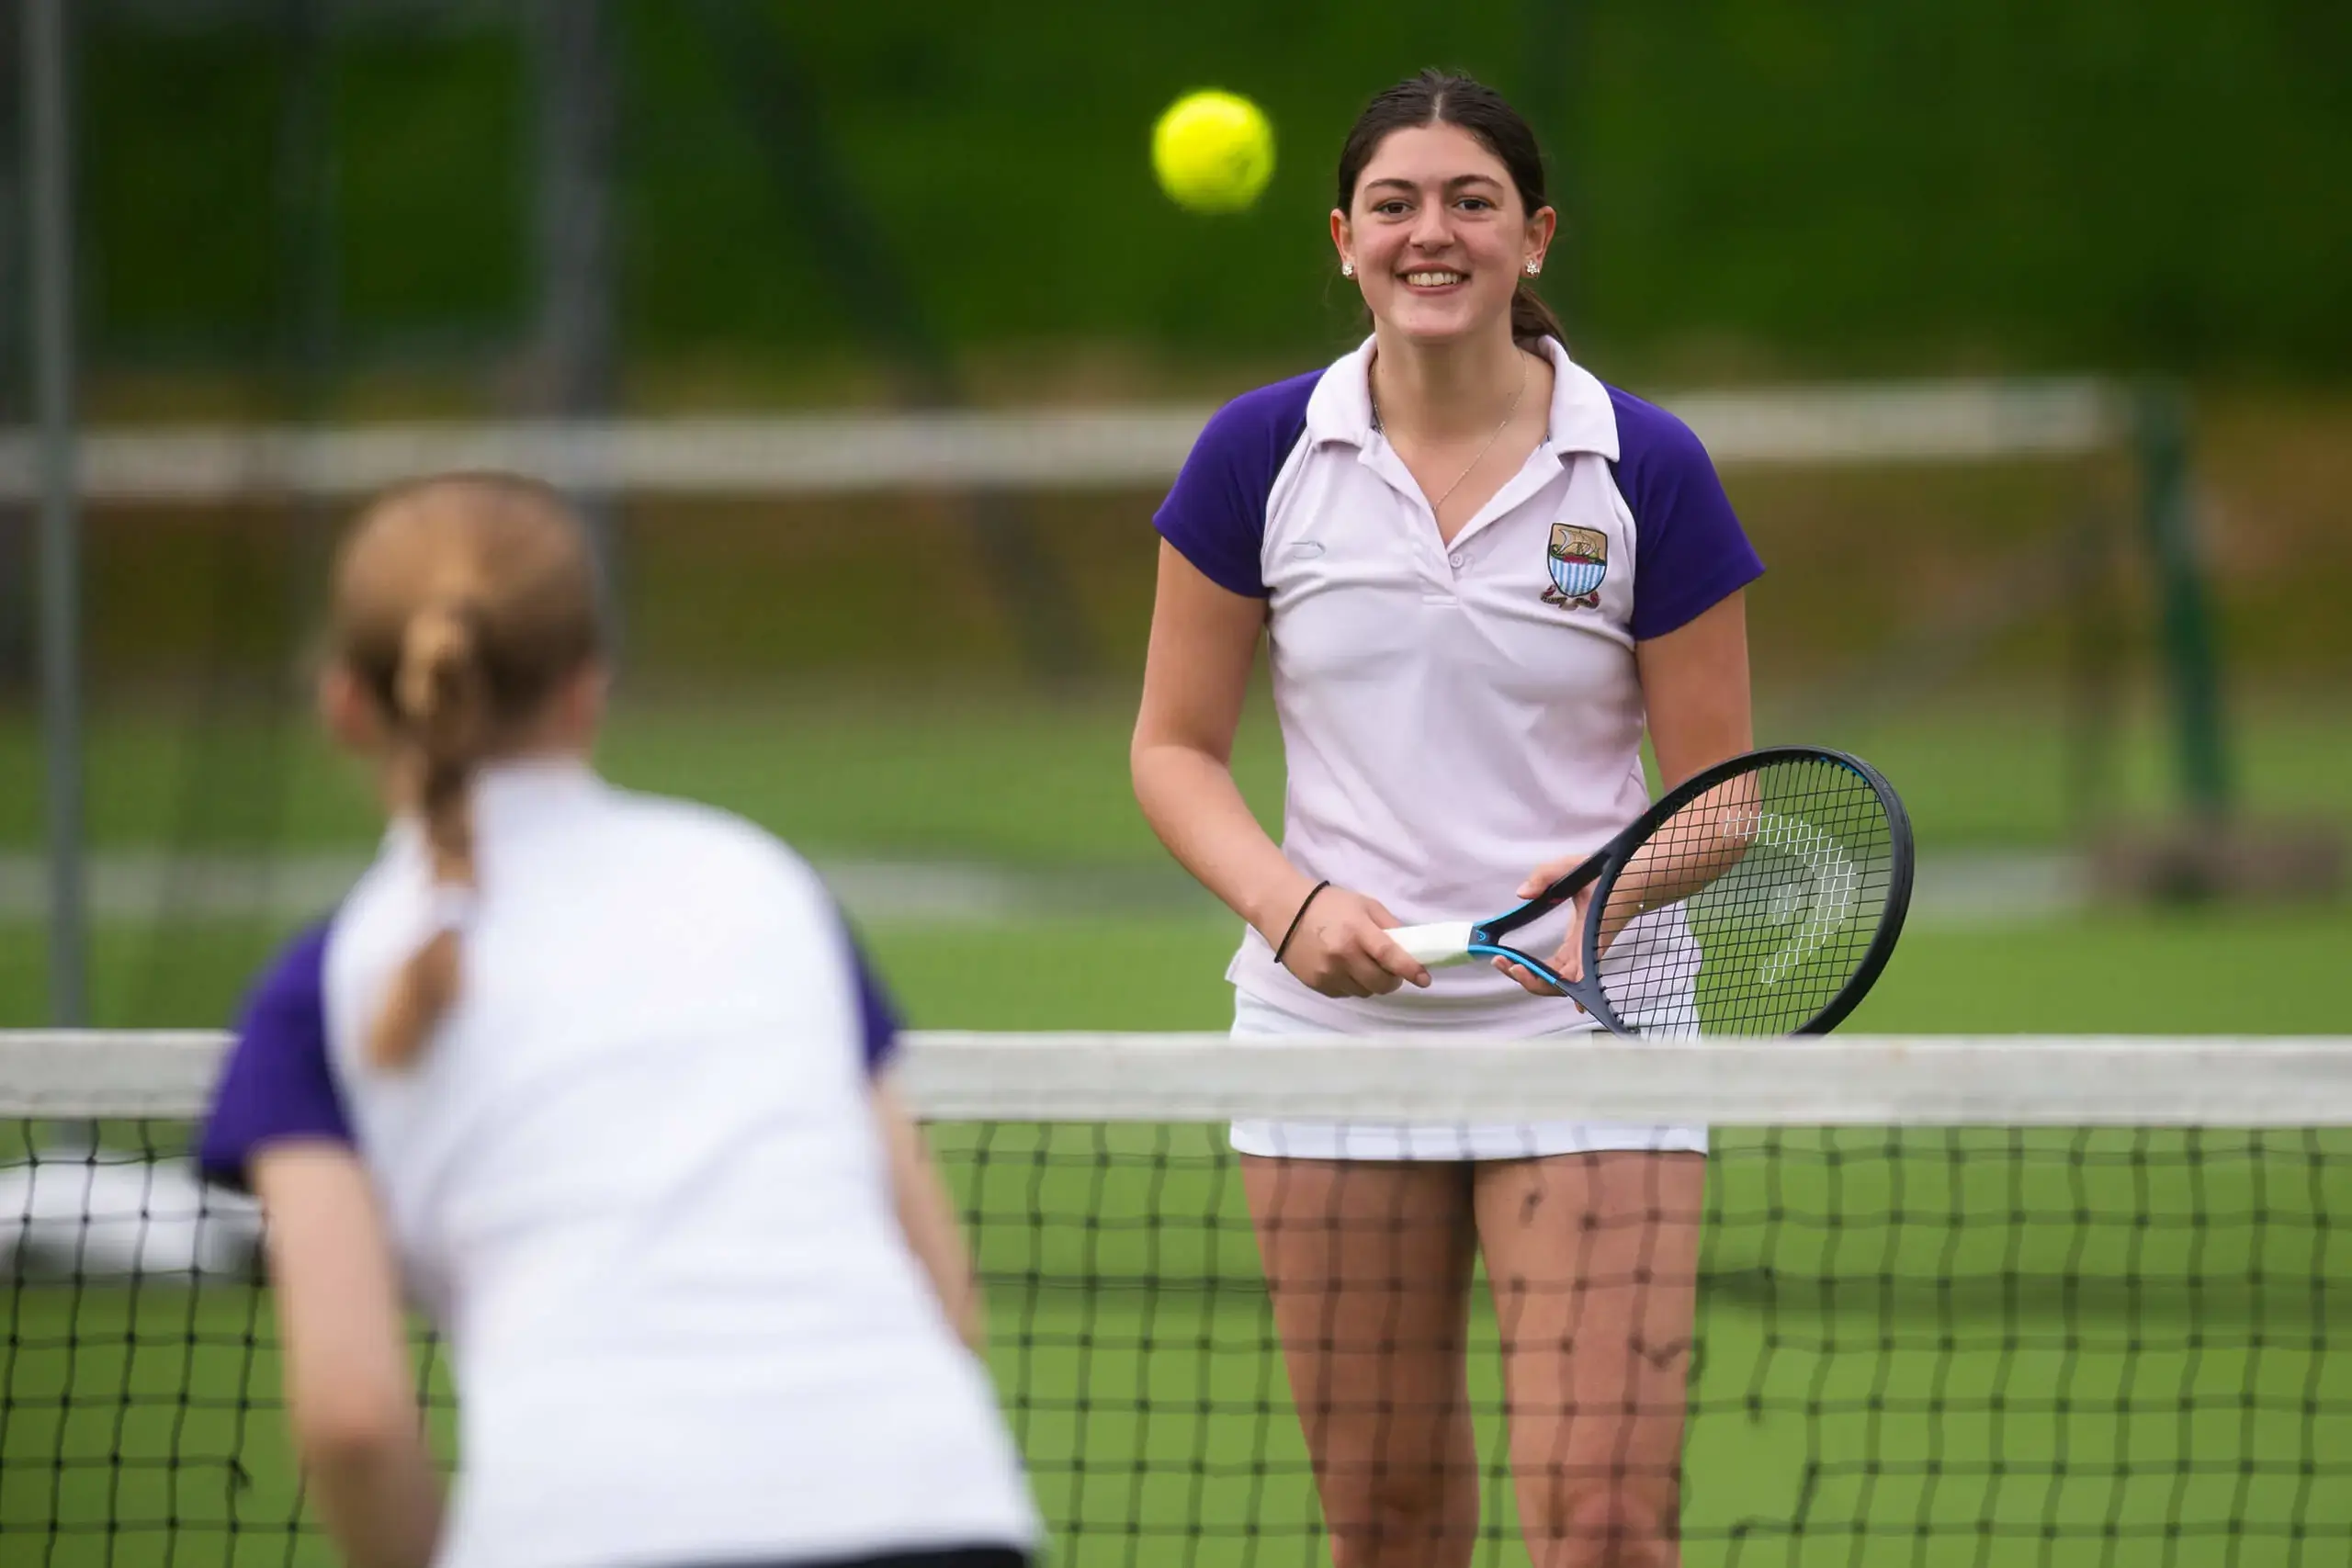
[575, 348]
[2192, 658]
[48, 159]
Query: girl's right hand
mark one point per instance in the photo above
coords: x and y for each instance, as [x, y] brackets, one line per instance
[1341, 948]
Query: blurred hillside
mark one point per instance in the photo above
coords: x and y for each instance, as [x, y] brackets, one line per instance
[1752, 187]
[1754, 190]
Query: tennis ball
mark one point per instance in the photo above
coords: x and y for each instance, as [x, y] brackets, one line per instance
[1213, 152]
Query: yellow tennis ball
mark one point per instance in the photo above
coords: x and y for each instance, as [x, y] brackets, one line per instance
[1213, 152]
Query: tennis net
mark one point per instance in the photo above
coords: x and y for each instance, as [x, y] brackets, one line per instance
[1958, 1301]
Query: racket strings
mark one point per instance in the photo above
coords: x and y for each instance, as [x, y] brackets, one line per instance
[1750, 909]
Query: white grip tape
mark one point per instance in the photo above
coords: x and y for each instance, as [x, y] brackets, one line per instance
[1447, 941]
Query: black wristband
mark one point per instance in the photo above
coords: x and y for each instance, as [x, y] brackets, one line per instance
[1283, 946]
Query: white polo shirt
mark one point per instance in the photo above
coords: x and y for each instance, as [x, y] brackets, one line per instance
[1452, 715]
[636, 1181]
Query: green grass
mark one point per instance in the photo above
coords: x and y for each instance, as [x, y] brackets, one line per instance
[1922, 1338]
[1000, 778]
[1900, 1369]
[2218, 971]
[1903, 1372]
[2211, 973]
[2245, 972]
[1004, 777]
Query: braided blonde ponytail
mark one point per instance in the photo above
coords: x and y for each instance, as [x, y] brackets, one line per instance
[465, 604]
[441, 713]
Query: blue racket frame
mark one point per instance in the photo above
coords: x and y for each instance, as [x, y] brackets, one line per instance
[1603, 868]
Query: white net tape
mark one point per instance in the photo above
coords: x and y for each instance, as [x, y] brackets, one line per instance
[1850, 1080]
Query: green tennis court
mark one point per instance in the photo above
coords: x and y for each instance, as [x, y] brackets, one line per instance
[1917, 1348]
[1905, 1332]
[1001, 775]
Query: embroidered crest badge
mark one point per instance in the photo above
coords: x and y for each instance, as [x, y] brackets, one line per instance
[1577, 559]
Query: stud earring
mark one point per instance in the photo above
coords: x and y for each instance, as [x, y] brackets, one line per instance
[1347, 269]
[1533, 268]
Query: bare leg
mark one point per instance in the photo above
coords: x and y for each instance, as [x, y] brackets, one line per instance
[1368, 1267]
[1593, 1262]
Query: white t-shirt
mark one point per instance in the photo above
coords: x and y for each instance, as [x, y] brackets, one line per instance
[636, 1181]
[1452, 715]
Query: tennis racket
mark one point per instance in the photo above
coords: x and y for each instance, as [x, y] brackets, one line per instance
[1761, 896]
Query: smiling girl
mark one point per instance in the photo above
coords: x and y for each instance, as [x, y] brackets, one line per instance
[1480, 575]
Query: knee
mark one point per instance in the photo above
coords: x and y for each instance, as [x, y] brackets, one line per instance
[1410, 1516]
[1621, 1523]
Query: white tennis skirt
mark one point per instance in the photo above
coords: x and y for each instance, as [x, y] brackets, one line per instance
[1254, 1019]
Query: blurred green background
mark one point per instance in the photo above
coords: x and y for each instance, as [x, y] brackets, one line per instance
[299, 213]
[294, 212]
[1749, 184]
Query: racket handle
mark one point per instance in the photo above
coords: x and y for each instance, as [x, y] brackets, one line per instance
[1447, 941]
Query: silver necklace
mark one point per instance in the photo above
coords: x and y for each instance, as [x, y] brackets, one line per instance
[1439, 505]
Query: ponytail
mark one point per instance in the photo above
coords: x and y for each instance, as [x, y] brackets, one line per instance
[441, 709]
[464, 605]
[1532, 321]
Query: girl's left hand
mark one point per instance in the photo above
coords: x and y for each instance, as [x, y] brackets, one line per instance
[1569, 959]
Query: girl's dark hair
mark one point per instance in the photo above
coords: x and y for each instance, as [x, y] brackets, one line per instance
[1449, 97]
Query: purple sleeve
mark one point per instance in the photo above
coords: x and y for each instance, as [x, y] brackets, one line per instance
[1215, 513]
[877, 1015]
[1689, 552]
[276, 1083]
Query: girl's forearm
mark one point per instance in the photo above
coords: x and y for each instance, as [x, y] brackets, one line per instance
[927, 1216]
[381, 1499]
[1701, 842]
[1191, 801]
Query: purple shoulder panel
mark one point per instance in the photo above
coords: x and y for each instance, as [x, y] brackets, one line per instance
[879, 1022]
[1215, 513]
[1689, 552]
[878, 1014]
[276, 1083]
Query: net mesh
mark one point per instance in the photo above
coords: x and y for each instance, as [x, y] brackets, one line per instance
[1988, 1302]
[1753, 908]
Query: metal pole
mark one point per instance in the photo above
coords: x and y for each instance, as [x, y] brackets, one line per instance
[571, 49]
[2191, 659]
[17, 559]
[49, 157]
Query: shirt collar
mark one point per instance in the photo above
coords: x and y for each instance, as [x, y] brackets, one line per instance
[525, 785]
[1582, 419]
[513, 790]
